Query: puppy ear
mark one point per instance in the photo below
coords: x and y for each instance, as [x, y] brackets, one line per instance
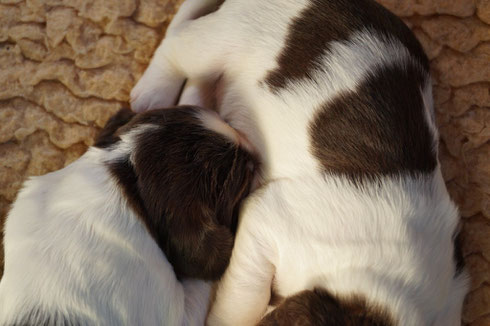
[188, 182]
[107, 135]
[235, 189]
[202, 251]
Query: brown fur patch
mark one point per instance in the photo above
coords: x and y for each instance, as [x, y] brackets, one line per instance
[187, 184]
[325, 21]
[318, 307]
[378, 129]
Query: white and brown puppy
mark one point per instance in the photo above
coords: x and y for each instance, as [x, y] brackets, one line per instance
[122, 235]
[354, 224]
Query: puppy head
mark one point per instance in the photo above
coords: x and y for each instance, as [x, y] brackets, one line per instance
[184, 172]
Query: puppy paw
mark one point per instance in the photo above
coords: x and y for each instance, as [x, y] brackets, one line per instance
[155, 90]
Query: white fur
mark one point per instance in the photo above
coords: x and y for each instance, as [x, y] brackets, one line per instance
[391, 243]
[74, 248]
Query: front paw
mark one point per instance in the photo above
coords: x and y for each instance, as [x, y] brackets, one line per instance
[155, 90]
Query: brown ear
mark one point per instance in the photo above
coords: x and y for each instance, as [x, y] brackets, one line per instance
[107, 135]
[235, 189]
[179, 182]
[200, 251]
[202, 241]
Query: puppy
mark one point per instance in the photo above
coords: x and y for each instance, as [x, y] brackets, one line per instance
[131, 232]
[354, 225]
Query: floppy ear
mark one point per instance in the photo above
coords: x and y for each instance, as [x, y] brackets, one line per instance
[235, 189]
[206, 243]
[186, 183]
[201, 240]
[199, 250]
[107, 135]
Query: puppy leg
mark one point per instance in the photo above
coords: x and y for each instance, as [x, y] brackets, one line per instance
[192, 50]
[190, 10]
[199, 93]
[197, 294]
[244, 291]
[191, 94]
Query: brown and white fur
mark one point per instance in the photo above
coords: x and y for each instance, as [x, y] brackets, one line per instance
[353, 223]
[133, 231]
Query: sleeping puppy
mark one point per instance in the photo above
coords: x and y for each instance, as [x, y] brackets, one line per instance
[353, 225]
[131, 232]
